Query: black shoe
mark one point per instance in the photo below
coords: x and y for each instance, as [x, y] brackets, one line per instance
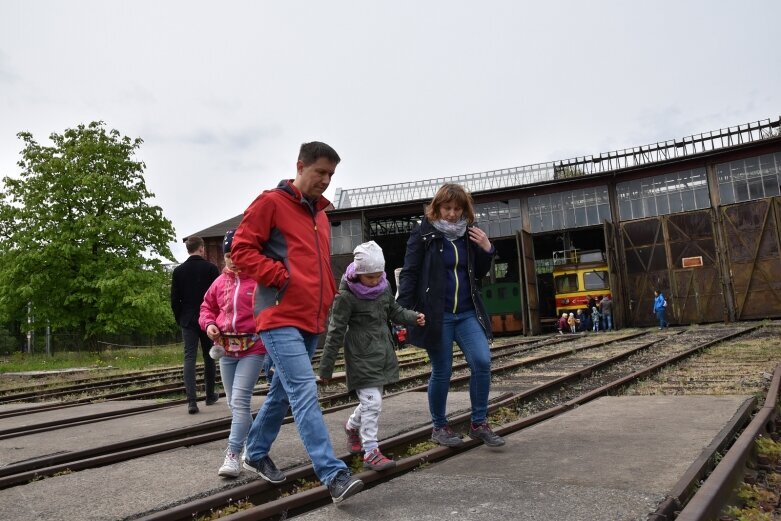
[212, 399]
[265, 469]
[343, 486]
[484, 433]
[192, 408]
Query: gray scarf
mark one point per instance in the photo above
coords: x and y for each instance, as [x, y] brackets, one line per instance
[451, 231]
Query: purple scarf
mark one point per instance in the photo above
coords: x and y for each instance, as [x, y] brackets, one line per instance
[361, 291]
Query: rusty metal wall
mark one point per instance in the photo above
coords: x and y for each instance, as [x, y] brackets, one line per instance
[645, 268]
[751, 232]
[653, 251]
[696, 292]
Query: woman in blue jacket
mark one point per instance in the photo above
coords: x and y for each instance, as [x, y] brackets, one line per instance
[446, 257]
[660, 307]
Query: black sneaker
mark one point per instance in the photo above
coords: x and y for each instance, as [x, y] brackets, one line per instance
[265, 469]
[343, 486]
[484, 433]
[212, 399]
[446, 437]
[192, 408]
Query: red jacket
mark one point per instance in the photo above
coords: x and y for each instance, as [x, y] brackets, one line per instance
[284, 244]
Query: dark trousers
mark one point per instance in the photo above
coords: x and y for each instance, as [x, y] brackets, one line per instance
[192, 336]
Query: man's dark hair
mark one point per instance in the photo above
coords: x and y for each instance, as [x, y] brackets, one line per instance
[311, 152]
[193, 243]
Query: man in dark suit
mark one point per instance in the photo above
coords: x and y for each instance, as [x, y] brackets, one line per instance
[190, 281]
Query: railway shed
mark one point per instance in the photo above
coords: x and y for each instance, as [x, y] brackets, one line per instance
[698, 218]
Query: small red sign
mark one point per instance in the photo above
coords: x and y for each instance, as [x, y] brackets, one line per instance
[692, 262]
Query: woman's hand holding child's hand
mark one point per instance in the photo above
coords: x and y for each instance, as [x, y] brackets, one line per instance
[421, 319]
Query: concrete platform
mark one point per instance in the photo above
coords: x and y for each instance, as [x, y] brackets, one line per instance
[129, 489]
[612, 459]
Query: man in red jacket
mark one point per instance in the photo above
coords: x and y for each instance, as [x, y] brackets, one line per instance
[283, 242]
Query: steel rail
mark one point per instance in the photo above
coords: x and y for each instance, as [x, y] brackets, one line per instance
[96, 417]
[319, 495]
[34, 468]
[714, 493]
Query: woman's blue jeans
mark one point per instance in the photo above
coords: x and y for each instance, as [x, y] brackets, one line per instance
[470, 337]
[293, 383]
[239, 376]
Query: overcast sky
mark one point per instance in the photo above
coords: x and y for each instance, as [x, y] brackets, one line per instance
[224, 93]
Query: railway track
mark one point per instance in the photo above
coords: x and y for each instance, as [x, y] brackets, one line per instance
[335, 399]
[535, 380]
[587, 377]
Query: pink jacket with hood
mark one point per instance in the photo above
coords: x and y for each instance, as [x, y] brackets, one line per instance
[228, 305]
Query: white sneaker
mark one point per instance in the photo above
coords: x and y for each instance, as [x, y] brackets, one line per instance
[231, 468]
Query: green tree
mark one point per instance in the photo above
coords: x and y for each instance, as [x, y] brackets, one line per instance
[79, 240]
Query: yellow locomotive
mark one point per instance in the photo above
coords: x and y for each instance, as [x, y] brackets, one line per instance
[578, 275]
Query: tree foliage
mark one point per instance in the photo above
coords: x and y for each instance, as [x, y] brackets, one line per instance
[79, 240]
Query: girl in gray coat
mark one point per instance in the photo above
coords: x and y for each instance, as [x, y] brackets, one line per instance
[359, 321]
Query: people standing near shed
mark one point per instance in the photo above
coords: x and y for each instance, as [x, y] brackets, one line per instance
[595, 318]
[226, 316]
[580, 321]
[283, 242]
[563, 323]
[660, 308]
[446, 257]
[606, 309]
[359, 322]
[189, 283]
[591, 303]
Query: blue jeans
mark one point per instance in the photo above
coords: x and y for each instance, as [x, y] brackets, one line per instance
[608, 323]
[470, 337]
[293, 383]
[239, 376]
[660, 318]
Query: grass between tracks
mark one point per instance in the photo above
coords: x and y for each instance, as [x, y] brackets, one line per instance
[119, 358]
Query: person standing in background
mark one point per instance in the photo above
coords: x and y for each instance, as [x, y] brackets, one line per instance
[606, 309]
[189, 283]
[660, 308]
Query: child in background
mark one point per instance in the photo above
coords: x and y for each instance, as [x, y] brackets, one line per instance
[359, 321]
[573, 323]
[595, 318]
[226, 316]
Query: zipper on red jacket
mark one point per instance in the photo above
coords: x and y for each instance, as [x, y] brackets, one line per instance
[320, 267]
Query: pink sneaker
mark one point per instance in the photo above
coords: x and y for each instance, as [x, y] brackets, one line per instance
[374, 460]
[353, 439]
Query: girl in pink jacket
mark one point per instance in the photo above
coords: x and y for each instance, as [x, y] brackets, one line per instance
[226, 316]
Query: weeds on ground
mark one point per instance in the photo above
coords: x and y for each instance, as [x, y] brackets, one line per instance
[300, 486]
[758, 501]
[230, 508]
[769, 448]
[502, 416]
[419, 448]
